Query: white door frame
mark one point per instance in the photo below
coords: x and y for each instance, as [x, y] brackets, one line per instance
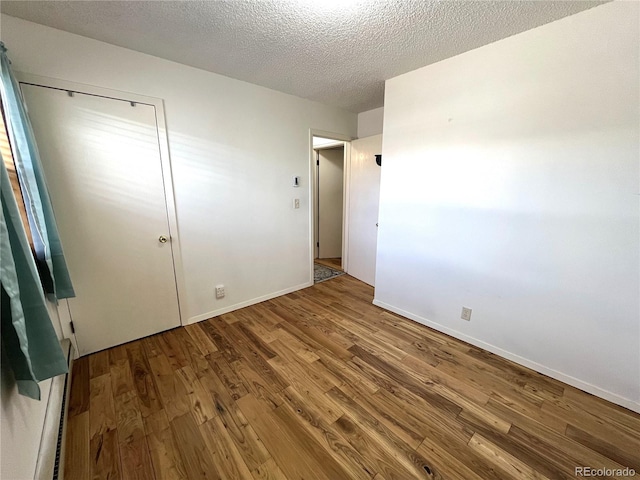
[313, 196]
[165, 163]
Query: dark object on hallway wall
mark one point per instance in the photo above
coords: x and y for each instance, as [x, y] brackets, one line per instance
[379, 159]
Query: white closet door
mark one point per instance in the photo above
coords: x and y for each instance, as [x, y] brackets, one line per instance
[330, 191]
[102, 162]
[364, 197]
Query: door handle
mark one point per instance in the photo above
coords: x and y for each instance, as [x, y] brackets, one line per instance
[163, 239]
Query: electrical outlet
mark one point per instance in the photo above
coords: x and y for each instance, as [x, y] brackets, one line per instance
[219, 291]
[296, 203]
[466, 314]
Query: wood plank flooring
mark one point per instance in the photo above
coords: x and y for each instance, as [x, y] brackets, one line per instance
[335, 263]
[321, 384]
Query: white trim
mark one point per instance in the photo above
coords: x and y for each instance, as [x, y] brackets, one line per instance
[313, 204]
[346, 198]
[63, 446]
[568, 379]
[247, 303]
[331, 135]
[172, 216]
[45, 463]
[49, 82]
[312, 190]
[165, 161]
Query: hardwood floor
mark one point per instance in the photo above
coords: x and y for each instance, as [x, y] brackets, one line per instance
[330, 262]
[321, 384]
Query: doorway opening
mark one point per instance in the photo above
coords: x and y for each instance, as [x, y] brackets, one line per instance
[330, 169]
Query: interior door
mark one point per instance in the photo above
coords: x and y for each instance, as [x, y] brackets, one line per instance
[102, 162]
[330, 188]
[364, 198]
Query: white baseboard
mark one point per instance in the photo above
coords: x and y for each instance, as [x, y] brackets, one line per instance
[568, 379]
[248, 303]
[45, 463]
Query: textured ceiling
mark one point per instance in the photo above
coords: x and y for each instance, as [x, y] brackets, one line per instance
[338, 52]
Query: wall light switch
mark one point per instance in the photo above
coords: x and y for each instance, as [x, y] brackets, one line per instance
[296, 203]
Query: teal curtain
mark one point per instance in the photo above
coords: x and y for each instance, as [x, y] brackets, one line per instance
[54, 273]
[29, 342]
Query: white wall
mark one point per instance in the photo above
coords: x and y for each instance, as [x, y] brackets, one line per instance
[510, 186]
[370, 122]
[234, 149]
